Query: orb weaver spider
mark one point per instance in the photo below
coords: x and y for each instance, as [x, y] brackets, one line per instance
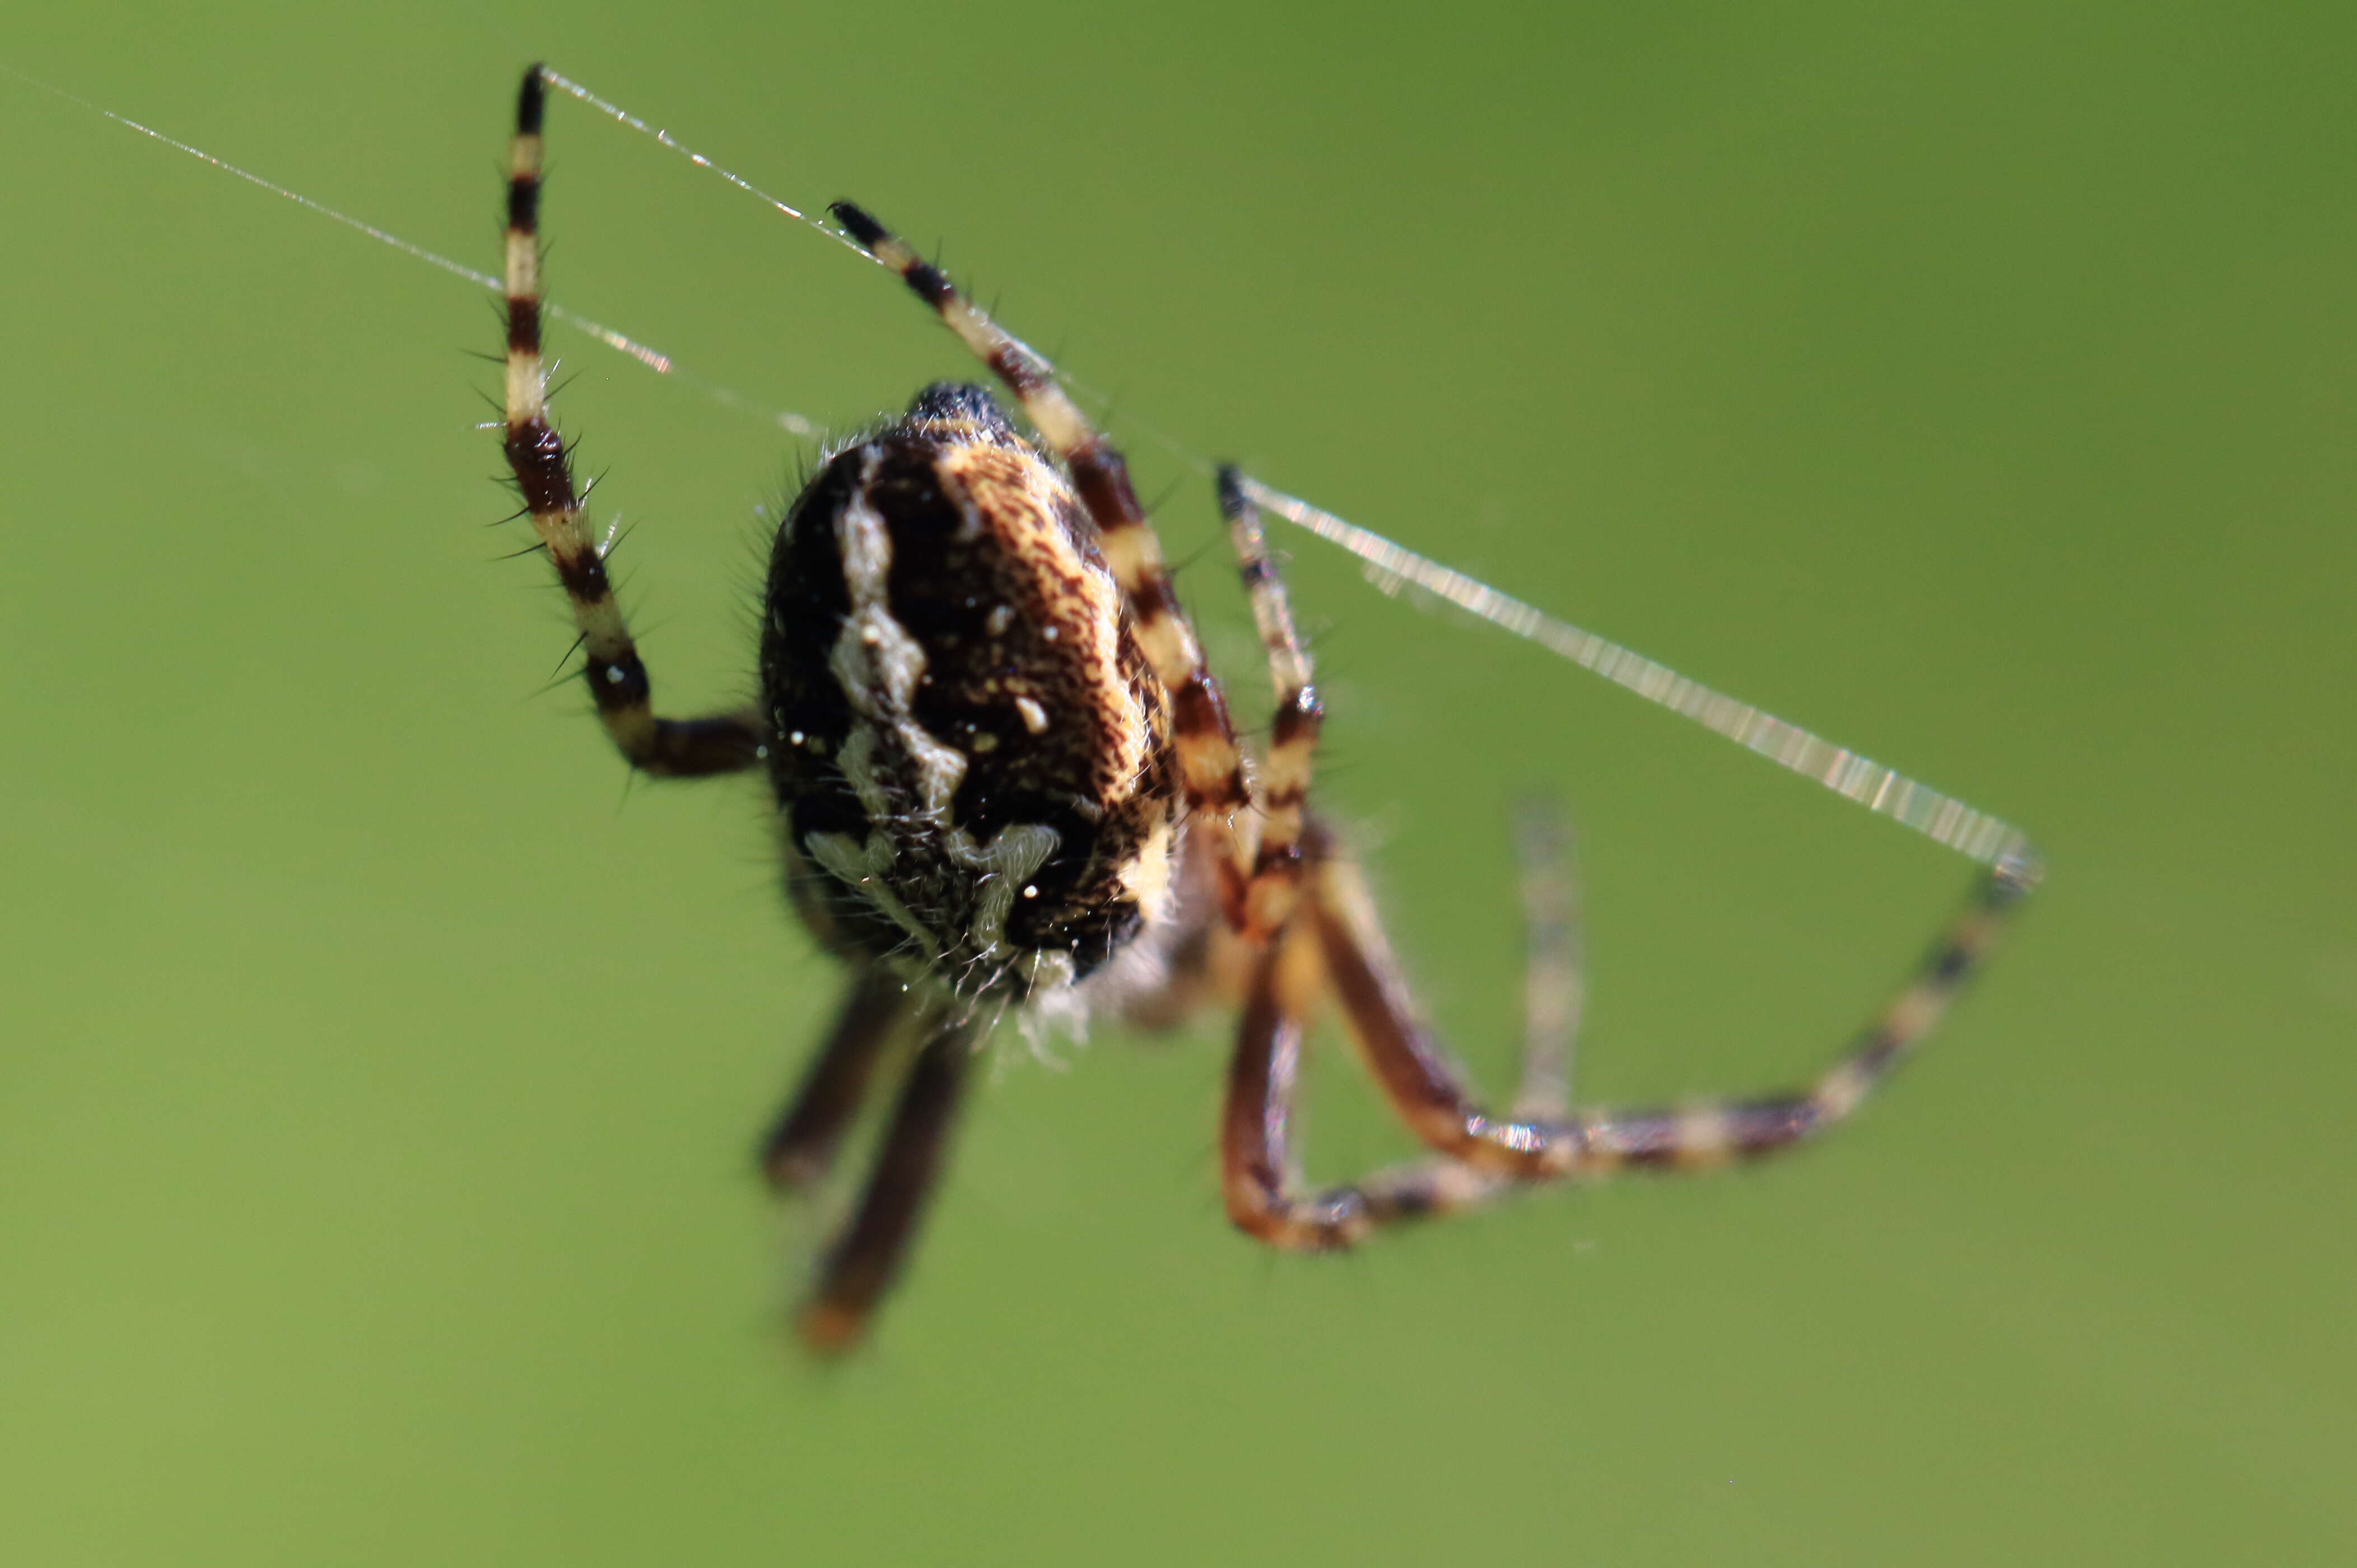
[1005, 780]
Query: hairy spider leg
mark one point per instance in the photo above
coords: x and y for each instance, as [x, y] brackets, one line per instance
[1284, 764]
[1484, 1157]
[860, 1265]
[1714, 1134]
[803, 1142]
[1287, 983]
[1554, 995]
[1211, 766]
[1259, 1169]
[723, 743]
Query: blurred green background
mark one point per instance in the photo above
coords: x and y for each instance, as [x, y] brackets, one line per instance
[378, 1074]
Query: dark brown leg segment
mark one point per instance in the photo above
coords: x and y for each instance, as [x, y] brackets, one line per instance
[801, 1147]
[860, 1265]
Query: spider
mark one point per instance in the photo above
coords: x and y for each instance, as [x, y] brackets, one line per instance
[1005, 780]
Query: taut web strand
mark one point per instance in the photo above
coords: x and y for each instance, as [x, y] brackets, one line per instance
[1942, 818]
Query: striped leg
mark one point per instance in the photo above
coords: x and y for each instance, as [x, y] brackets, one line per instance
[1554, 992]
[1210, 767]
[617, 679]
[1484, 1157]
[1714, 1134]
[1258, 1168]
[1276, 872]
[1552, 997]
[801, 1144]
[863, 1261]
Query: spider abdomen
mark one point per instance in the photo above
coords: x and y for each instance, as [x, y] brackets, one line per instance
[973, 757]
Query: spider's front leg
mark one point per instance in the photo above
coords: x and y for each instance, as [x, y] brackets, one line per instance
[722, 743]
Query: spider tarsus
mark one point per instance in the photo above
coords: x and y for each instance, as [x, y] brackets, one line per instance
[855, 221]
[531, 100]
[1229, 480]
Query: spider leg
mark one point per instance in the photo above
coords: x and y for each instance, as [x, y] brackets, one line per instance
[1483, 1156]
[860, 1265]
[1275, 884]
[1555, 994]
[1712, 1134]
[1258, 1176]
[801, 1144]
[1426, 1090]
[722, 743]
[1209, 765]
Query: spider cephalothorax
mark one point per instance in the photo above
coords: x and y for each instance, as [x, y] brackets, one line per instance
[1004, 778]
[974, 759]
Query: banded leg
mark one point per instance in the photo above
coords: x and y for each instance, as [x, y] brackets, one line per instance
[1551, 1005]
[801, 1144]
[860, 1265]
[1555, 994]
[544, 473]
[1211, 766]
[1276, 872]
[1484, 1157]
[1714, 1134]
[1258, 1174]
